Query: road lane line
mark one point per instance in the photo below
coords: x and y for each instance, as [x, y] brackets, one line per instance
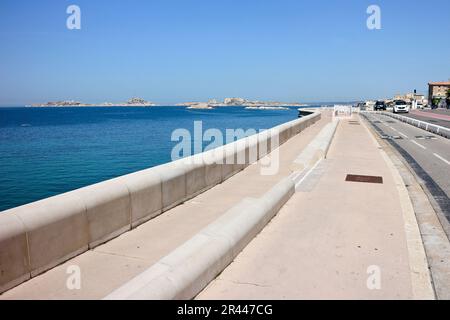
[403, 134]
[443, 159]
[418, 144]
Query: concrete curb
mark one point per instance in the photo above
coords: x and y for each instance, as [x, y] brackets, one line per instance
[191, 267]
[188, 269]
[317, 149]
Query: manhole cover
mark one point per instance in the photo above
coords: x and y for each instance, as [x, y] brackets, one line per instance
[364, 179]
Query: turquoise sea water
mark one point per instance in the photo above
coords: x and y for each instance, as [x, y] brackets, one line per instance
[47, 151]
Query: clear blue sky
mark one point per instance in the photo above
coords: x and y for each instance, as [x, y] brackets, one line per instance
[180, 50]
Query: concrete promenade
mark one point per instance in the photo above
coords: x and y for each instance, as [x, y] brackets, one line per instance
[331, 235]
[332, 239]
[108, 266]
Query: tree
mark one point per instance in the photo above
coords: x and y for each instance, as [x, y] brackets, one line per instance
[447, 101]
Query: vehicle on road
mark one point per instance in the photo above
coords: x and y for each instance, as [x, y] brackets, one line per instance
[420, 105]
[400, 106]
[379, 105]
[361, 106]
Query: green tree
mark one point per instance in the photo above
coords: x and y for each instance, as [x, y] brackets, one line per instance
[447, 101]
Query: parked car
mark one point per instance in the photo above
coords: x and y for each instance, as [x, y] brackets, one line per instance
[400, 106]
[379, 105]
[420, 105]
[361, 106]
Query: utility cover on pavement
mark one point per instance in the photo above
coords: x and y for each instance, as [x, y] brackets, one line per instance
[365, 179]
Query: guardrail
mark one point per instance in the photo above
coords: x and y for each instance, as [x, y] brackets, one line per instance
[439, 130]
[38, 236]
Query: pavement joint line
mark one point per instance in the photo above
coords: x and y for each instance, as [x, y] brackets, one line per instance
[442, 158]
[418, 144]
[297, 184]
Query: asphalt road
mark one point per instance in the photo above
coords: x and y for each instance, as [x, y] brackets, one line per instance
[427, 153]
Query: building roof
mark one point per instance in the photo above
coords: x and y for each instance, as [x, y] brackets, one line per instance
[443, 83]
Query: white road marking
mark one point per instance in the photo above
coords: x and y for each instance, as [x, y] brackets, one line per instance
[445, 160]
[403, 134]
[418, 144]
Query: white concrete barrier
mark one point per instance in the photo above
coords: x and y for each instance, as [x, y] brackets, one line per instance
[145, 189]
[56, 229]
[14, 263]
[40, 235]
[317, 149]
[430, 127]
[173, 179]
[187, 270]
[108, 209]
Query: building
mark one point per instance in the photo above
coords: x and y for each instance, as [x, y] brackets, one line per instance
[438, 91]
[410, 97]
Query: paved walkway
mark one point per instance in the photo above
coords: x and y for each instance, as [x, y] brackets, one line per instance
[109, 266]
[327, 237]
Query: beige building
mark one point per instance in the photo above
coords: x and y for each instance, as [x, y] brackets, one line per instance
[409, 97]
[438, 90]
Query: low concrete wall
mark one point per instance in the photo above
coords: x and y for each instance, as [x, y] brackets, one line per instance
[40, 235]
[192, 266]
[317, 149]
[187, 270]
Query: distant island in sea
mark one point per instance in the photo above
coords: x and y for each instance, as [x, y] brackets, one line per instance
[211, 104]
[133, 102]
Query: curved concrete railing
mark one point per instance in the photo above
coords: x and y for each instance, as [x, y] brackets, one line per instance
[40, 235]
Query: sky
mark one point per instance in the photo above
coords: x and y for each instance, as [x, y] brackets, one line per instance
[170, 51]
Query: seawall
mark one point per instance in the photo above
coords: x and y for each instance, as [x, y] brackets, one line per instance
[40, 235]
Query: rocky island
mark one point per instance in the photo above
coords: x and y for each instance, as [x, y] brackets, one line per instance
[249, 104]
[133, 102]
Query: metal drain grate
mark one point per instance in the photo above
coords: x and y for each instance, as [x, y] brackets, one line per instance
[426, 137]
[377, 121]
[364, 179]
[390, 121]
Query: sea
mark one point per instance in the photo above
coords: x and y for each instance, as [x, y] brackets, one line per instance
[48, 151]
